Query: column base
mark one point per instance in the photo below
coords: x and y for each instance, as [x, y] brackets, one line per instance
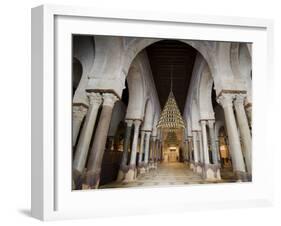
[141, 168]
[131, 174]
[242, 176]
[146, 167]
[121, 173]
[198, 168]
[191, 166]
[151, 165]
[77, 180]
[212, 172]
[92, 180]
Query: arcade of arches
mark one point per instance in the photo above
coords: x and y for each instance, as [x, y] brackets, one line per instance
[120, 88]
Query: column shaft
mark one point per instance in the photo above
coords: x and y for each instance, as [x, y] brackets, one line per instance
[151, 153]
[135, 143]
[97, 149]
[146, 147]
[213, 141]
[234, 141]
[126, 142]
[78, 113]
[195, 147]
[141, 147]
[186, 151]
[244, 130]
[81, 153]
[205, 142]
[190, 148]
[201, 151]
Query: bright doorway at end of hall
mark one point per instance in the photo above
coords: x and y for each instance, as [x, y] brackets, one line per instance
[171, 154]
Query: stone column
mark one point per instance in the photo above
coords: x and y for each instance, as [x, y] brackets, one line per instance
[226, 101]
[141, 147]
[146, 149]
[213, 141]
[81, 153]
[201, 151]
[244, 130]
[152, 149]
[191, 159]
[248, 108]
[205, 142]
[155, 153]
[97, 150]
[160, 151]
[197, 167]
[131, 174]
[212, 171]
[189, 143]
[123, 165]
[78, 114]
[141, 163]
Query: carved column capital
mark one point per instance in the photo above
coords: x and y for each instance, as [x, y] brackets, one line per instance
[137, 123]
[79, 111]
[226, 99]
[109, 99]
[147, 133]
[239, 100]
[203, 122]
[94, 98]
[211, 123]
[129, 122]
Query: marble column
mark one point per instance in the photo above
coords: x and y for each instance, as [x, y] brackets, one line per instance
[160, 150]
[81, 153]
[146, 149]
[151, 149]
[141, 163]
[131, 174]
[186, 151]
[78, 114]
[141, 148]
[189, 143]
[226, 101]
[197, 167]
[201, 151]
[123, 165]
[205, 142]
[155, 153]
[97, 149]
[157, 150]
[214, 149]
[248, 108]
[212, 171]
[244, 130]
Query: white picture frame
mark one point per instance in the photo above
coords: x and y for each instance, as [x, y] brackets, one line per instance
[52, 197]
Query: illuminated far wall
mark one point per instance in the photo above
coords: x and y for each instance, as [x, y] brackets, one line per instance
[171, 154]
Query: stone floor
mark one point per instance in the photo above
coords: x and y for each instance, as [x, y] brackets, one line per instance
[167, 174]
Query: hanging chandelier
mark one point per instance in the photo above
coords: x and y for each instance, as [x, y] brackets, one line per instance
[170, 117]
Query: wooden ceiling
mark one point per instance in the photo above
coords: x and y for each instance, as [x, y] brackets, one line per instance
[178, 57]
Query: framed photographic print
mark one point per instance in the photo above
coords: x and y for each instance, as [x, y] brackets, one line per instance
[135, 113]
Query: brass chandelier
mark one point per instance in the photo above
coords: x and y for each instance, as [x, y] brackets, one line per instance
[170, 118]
